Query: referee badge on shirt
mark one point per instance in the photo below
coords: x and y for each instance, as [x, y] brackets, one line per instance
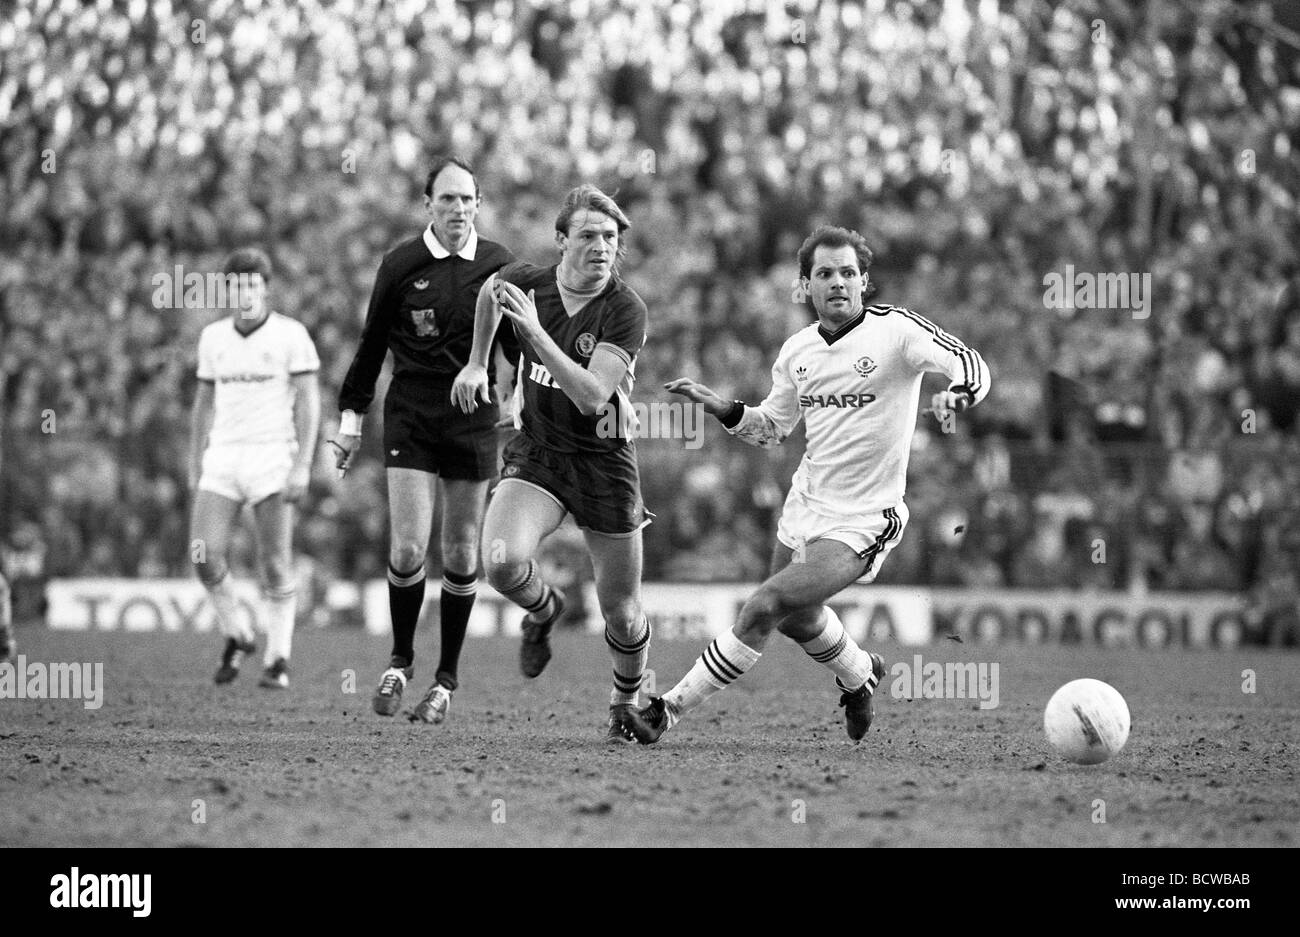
[585, 344]
[426, 322]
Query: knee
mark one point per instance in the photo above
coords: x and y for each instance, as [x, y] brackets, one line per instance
[623, 618]
[503, 569]
[406, 555]
[210, 567]
[802, 624]
[460, 556]
[765, 609]
[278, 573]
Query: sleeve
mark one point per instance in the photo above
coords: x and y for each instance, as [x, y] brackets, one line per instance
[302, 356]
[207, 370]
[926, 347]
[359, 385]
[625, 334]
[505, 336]
[768, 424]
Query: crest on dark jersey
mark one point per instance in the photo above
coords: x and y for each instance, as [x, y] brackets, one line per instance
[864, 366]
[585, 344]
[421, 284]
[426, 322]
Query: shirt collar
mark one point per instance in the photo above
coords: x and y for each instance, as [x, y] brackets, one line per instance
[441, 253]
[832, 337]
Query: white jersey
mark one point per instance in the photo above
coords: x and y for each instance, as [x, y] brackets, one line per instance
[254, 391]
[858, 389]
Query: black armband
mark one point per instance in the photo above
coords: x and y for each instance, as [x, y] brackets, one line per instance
[965, 392]
[732, 416]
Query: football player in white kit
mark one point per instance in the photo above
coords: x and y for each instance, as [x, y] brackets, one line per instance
[254, 432]
[855, 378]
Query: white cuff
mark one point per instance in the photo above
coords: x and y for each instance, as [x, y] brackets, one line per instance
[349, 423]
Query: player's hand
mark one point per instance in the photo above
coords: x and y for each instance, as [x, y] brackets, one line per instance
[520, 307]
[470, 386]
[344, 448]
[945, 402]
[296, 486]
[697, 392]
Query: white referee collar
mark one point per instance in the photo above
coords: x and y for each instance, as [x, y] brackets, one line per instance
[441, 253]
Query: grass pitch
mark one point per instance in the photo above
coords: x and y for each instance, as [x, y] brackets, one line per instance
[172, 760]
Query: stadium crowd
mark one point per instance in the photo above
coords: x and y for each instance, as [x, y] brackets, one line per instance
[979, 146]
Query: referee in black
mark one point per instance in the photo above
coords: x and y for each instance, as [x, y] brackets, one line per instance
[422, 309]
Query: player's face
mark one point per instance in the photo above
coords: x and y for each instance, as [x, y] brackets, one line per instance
[251, 299]
[453, 207]
[835, 284]
[589, 249]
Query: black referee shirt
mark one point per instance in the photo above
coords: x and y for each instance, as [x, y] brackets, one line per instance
[422, 308]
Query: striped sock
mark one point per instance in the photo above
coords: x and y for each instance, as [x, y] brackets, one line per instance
[405, 599]
[530, 593]
[835, 649]
[281, 606]
[629, 662]
[458, 593]
[224, 604]
[718, 667]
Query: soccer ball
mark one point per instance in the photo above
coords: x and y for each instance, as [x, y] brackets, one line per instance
[1087, 721]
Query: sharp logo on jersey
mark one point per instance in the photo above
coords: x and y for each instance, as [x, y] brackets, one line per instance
[833, 400]
[585, 344]
[426, 322]
[244, 378]
[801, 373]
[540, 374]
[421, 284]
[864, 366]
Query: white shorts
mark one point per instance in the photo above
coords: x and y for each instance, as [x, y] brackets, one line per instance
[870, 536]
[247, 473]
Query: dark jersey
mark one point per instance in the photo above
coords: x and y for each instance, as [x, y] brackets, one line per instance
[422, 308]
[615, 319]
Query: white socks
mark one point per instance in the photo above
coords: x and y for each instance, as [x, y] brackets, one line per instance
[223, 602]
[834, 648]
[281, 607]
[718, 667]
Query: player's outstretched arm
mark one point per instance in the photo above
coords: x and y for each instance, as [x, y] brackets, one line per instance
[306, 424]
[471, 384]
[696, 392]
[766, 425]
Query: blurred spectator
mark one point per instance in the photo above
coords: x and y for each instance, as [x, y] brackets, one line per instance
[976, 152]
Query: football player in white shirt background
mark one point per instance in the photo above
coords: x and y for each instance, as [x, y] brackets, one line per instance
[255, 420]
[855, 378]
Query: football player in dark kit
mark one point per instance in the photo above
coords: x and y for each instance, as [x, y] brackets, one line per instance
[580, 329]
[422, 308]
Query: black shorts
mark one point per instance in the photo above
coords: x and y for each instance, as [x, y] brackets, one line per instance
[602, 490]
[424, 430]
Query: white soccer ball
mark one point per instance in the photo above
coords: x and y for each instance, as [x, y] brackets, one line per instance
[1087, 721]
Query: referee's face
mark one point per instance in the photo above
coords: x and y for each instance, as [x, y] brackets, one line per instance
[835, 285]
[453, 207]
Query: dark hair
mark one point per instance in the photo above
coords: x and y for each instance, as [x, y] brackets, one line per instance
[830, 236]
[442, 162]
[248, 260]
